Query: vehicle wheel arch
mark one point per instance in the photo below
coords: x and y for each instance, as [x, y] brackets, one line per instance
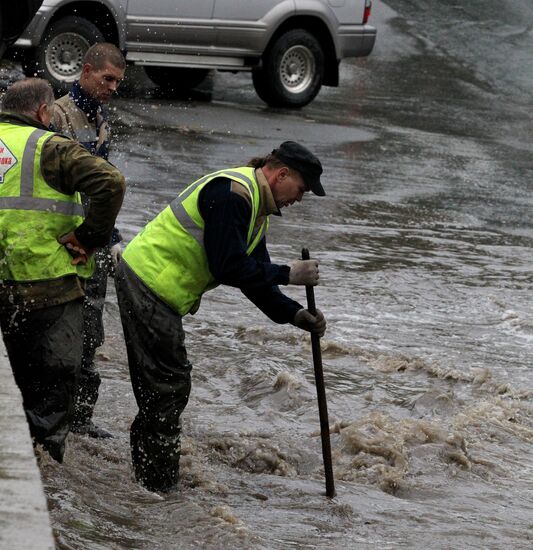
[98, 13]
[321, 31]
[58, 55]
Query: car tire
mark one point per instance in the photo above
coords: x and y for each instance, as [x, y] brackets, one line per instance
[176, 79]
[58, 58]
[292, 70]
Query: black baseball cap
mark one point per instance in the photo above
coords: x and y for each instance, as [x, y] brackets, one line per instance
[300, 158]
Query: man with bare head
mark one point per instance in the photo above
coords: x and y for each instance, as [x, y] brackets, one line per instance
[82, 115]
[46, 242]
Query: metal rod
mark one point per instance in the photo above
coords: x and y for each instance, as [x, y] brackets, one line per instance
[321, 391]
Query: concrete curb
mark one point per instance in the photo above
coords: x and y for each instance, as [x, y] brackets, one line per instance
[24, 519]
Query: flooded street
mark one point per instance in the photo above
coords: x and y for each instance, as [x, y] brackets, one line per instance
[425, 243]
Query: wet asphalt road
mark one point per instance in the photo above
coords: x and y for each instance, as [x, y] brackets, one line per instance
[415, 111]
[425, 248]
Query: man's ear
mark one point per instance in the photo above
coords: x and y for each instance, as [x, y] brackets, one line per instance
[283, 172]
[44, 114]
[86, 69]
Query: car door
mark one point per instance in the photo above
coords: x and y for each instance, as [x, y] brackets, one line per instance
[169, 26]
[242, 25]
[14, 19]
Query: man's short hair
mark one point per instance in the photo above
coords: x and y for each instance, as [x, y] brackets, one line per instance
[104, 52]
[27, 95]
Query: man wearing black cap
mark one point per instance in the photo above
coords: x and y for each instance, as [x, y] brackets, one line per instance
[212, 233]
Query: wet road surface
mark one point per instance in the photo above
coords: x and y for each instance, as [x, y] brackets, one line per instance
[425, 248]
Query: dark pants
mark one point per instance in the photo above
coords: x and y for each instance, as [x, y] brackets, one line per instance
[44, 348]
[93, 337]
[160, 376]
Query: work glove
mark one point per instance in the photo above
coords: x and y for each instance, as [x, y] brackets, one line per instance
[315, 324]
[116, 254]
[303, 272]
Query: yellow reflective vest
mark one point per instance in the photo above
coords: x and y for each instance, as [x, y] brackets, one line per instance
[168, 255]
[33, 214]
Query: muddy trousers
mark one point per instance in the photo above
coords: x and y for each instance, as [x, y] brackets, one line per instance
[93, 337]
[160, 376]
[44, 348]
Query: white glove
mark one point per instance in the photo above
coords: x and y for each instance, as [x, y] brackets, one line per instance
[312, 323]
[303, 272]
[116, 254]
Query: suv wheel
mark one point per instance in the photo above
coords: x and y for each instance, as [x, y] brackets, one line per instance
[59, 57]
[292, 70]
[175, 79]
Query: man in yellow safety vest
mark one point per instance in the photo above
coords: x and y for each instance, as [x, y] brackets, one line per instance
[212, 233]
[46, 243]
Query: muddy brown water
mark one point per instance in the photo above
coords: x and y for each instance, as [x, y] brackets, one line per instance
[424, 241]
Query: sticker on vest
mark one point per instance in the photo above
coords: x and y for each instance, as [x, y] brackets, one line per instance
[7, 160]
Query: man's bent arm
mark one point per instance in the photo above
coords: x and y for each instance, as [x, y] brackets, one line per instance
[227, 217]
[68, 167]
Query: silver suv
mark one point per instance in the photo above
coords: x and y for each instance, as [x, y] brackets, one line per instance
[291, 47]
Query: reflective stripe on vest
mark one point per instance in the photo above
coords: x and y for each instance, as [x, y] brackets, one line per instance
[197, 232]
[168, 255]
[41, 205]
[26, 201]
[33, 214]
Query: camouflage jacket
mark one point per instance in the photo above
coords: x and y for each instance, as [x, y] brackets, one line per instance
[84, 119]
